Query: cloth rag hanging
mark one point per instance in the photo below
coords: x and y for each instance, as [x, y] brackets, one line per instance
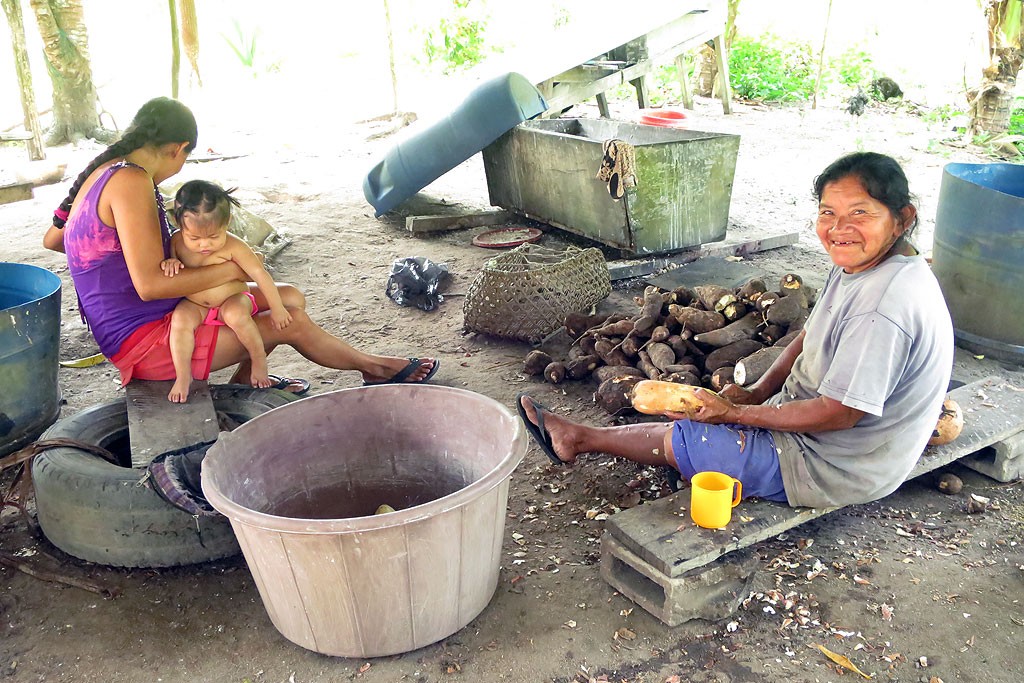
[617, 167]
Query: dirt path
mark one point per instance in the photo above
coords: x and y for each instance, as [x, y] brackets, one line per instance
[911, 588]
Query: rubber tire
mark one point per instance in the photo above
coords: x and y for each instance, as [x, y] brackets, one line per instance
[100, 512]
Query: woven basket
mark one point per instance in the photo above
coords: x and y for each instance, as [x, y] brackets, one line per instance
[526, 292]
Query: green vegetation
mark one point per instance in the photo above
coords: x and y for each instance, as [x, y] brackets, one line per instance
[457, 41]
[243, 45]
[1017, 118]
[769, 69]
[853, 67]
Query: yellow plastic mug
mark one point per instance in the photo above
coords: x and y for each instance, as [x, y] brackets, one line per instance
[713, 495]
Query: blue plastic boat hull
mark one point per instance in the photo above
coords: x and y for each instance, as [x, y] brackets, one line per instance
[492, 109]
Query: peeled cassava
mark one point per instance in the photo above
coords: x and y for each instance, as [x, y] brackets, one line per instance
[654, 397]
[951, 423]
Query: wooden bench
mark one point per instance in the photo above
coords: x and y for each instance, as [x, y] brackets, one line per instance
[15, 192]
[656, 556]
[155, 425]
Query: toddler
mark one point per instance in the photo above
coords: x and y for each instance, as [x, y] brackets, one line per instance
[202, 211]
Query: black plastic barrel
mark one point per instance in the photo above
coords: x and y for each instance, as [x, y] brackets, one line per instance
[978, 256]
[29, 353]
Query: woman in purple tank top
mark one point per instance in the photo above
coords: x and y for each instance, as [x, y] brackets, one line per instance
[114, 231]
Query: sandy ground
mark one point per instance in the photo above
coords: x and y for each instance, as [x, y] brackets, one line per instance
[954, 582]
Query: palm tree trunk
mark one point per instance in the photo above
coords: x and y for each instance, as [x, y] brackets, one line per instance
[28, 98]
[66, 48]
[991, 105]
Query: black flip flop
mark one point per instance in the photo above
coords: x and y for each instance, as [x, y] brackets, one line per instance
[404, 374]
[537, 431]
[287, 384]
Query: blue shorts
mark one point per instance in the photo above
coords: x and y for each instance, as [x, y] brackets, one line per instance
[746, 453]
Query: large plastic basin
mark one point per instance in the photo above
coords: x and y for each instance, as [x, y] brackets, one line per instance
[29, 353]
[300, 485]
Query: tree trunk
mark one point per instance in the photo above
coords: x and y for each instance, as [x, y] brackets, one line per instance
[66, 48]
[175, 48]
[991, 105]
[391, 58]
[190, 35]
[28, 99]
[707, 67]
[707, 71]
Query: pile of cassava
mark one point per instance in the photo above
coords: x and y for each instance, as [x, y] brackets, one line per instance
[705, 336]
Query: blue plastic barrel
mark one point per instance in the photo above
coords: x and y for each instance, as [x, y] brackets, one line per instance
[29, 353]
[978, 256]
[490, 110]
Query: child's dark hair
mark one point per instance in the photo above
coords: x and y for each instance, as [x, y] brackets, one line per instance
[203, 198]
[158, 122]
[881, 176]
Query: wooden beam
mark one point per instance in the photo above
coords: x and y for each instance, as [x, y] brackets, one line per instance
[723, 75]
[625, 269]
[682, 73]
[155, 425]
[456, 221]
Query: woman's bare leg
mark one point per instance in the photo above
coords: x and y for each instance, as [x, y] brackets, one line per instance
[317, 345]
[186, 317]
[291, 297]
[236, 313]
[645, 443]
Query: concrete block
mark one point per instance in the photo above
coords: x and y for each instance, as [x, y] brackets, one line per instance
[712, 592]
[1002, 461]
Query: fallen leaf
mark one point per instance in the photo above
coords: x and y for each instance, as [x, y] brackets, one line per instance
[570, 624]
[887, 612]
[625, 634]
[861, 581]
[841, 660]
[365, 667]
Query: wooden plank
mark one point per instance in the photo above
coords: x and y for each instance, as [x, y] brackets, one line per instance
[697, 30]
[630, 268]
[155, 425]
[456, 221]
[662, 534]
[15, 192]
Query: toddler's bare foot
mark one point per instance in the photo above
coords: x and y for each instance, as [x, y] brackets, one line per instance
[259, 376]
[179, 392]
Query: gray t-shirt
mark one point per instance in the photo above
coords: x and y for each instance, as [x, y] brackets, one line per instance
[880, 341]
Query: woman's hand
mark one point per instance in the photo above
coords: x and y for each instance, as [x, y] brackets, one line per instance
[739, 395]
[715, 409]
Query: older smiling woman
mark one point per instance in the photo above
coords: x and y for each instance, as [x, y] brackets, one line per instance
[844, 413]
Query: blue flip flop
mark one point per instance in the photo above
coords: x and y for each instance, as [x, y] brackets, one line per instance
[406, 372]
[537, 431]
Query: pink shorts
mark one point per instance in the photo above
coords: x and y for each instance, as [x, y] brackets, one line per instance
[212, 315]
[146, 353]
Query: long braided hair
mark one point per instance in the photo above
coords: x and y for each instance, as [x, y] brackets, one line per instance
[158, 122]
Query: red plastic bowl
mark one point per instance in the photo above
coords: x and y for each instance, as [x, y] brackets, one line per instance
[668, 118]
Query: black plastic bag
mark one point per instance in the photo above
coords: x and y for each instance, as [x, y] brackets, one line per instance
[415, 281]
